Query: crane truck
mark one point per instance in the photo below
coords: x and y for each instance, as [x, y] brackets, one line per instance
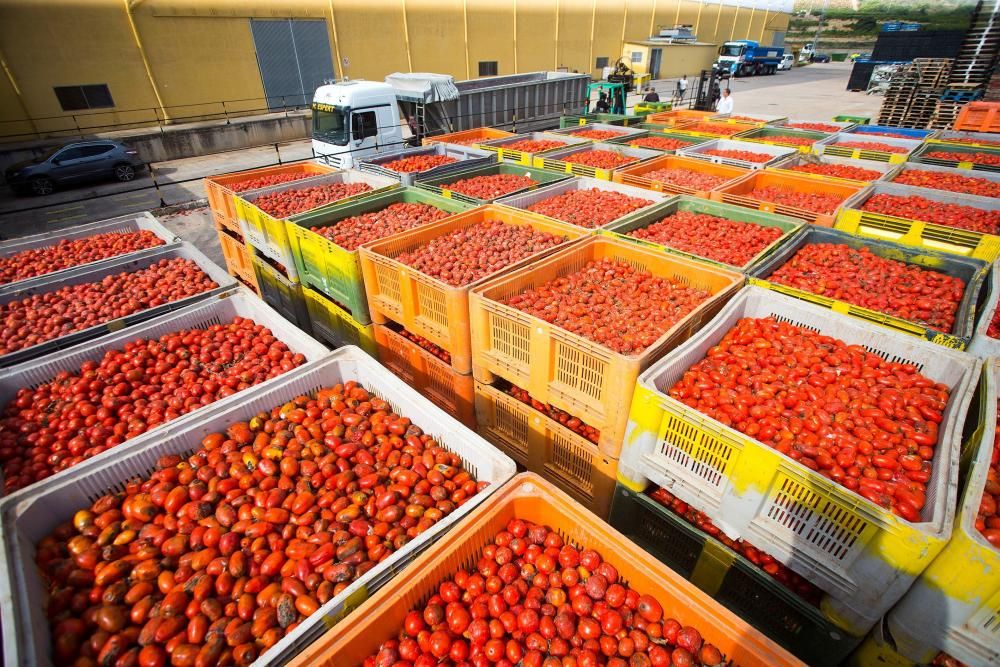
[745, 57]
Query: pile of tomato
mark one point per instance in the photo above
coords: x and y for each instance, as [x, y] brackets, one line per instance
[940, 213]
[57, 424]
[988, 516]
[533, 145]
[492, 186]
[992, 159]
[885, 133]
[422, 342]
[350, 233]
[862, 278]
[534, 600]
[47, 315]
[286, 204]
[416, 163]
[720, 129]
[600, 158]
[597, 135]
[994, 329]
[572, 423]
[789, 140]
[589, 208]
[783, 575]
[660, 143]
[817, 202]
[815, 127]
[686, 178]
[973, 141]
[465, 255]
[872, 146]
[612, 303]
[269, 180]
[865, 423]
[216, 557]
[937, 180]
[746, 156]
[73, 252]
[838, 171]
[728, 241]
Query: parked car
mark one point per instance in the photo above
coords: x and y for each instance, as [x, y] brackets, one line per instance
[72, 163]
[820, 58]
[787, 61]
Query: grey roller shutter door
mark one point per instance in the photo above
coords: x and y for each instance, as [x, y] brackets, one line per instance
[294, 58]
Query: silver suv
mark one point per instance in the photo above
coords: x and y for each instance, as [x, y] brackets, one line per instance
[74, 163]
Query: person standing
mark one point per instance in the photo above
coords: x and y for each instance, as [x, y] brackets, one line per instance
[726, 103]
[682, 85]
[651, 95]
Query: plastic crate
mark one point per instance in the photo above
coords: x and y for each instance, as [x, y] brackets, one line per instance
[714, 129]
[760, 119]
[504, 154]
[220, 193]
[334, 325]
[740, 193]
[335, 271]
[646, 217]
[981, 344]
[479, 134]
[617, 119]
[432, 377]
[440, 185]
[280, 291]
[123, 224]
[28, 517]
[917, 232]
[952, 606]
[237, 257]
[526, 199]
[857, 120]
[636, 174]
[971, 271]
[969, 139]
[573, 128]
[979, 117]
[832, 148]
[886, 170]
[555, 161]
[772, 136]
[917, 166]
[94, 273]
[547, 448]
[777, 153]
[873, 131]
[646, 108]
[467, 159]
[732, 580]
[862, 556]
[919, 155]
[531, 498]
[268, 234]
[842, 125]
[554, 366]
[678, 116]
[430, 307]
[234, 303]
[660, 134]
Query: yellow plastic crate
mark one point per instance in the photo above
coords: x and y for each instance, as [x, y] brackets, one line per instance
[863, 154]
[280, 291]
[863, 556]
[335, 326]
[554, 161]
[919, 234]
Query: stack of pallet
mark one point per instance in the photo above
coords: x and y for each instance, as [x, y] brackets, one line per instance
[973, 68]
[913, 93]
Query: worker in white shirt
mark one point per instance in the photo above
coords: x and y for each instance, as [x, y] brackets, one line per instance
[726, 103]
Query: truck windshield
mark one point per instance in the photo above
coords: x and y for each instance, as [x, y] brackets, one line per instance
[733, 50]
[330, 125]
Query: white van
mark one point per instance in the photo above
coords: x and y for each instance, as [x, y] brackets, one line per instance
[786, 62]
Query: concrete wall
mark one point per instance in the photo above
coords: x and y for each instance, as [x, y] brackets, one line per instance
[185, 56]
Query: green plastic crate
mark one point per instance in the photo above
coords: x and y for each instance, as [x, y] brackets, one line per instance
[335, 271]
[540, 176]
[860, 120]
[335, 326]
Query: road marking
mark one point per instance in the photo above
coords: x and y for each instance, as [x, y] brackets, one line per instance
[68, 217]
[78, 207]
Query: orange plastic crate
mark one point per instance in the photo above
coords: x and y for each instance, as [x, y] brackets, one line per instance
[237, 257]
[465, 136]
[634, 175]
[431, 376]
[723, 129]
[678, 116]
[430, 307]
[554, 366]
[545, 447]
[979, 117]
[529, 497]
[739, 193]
[220, 196]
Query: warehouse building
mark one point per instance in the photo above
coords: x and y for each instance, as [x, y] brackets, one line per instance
[103, 64]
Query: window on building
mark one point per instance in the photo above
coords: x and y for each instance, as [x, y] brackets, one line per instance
[637, 56]
[363, 124]
[77, 98]
[487, 68]
[601, 63]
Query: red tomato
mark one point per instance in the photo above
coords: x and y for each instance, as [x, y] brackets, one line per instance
[660, 143]
[871, 146]
[687, 178]
[490, 187]
[720, 129]
[415, 163]
[534, 145]
[255, 183]
[839, 171]
[940, 213]
[350, 233]
[601, 159]
[564, 418]
[73, 252]
[951, 182]
[728, 241]
[597, 135]
[589, 208]
[748, 156]
[288, 203]
[989, 506]
[815, 127]
[975, 158]
[817, 202]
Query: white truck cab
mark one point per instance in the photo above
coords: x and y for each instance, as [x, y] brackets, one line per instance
[353, 120]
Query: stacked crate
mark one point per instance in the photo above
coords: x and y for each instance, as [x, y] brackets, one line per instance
[914, 91]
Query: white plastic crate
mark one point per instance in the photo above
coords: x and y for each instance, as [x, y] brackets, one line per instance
[981, 344]
[525, 199]
[777, 153]
[863, 556]
[239, 302]
[122, 224]
[920, 166]
[94, 273]
[29, 517]
[468, 158]
[955, 604]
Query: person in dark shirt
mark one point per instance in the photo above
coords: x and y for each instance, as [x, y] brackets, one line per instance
[651, 95]
[602, 105]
